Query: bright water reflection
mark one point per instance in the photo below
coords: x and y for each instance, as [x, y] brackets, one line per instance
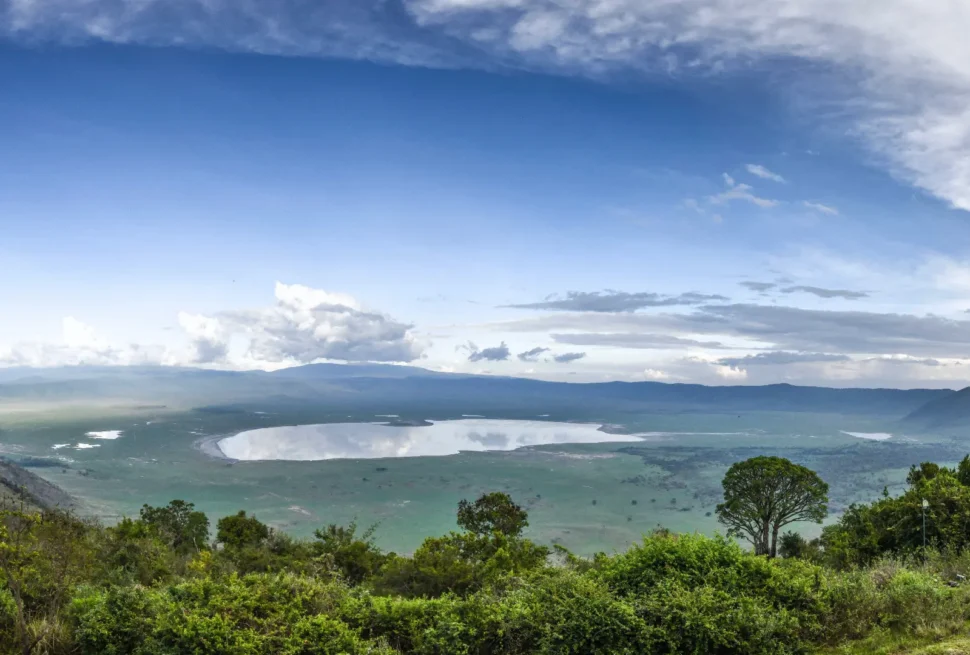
[367, 440]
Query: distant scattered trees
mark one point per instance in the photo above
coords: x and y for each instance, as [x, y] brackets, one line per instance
[764, 494]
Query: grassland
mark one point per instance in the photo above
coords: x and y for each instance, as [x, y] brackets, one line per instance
[586, 497]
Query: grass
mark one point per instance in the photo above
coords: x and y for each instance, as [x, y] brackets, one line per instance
[889, 644]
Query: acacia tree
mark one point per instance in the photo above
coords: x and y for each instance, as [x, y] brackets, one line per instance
[764, 494]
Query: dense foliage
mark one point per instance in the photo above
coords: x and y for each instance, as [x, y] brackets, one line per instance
[896, 525]
[157, 585]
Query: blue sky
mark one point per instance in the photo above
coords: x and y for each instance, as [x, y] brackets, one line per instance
[671, 192]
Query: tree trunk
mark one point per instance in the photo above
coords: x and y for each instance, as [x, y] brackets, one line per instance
[762, 548]
[774, 541]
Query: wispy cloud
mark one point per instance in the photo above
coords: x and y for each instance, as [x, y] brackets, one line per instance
[902, 82]
[566, 358]
[827, 293]
[531, 355]
[737, 191]
[819, 207]
[634, 340]
[762, 172]
[498, 353]
[616, 301]
[780, 358]
[758, 286]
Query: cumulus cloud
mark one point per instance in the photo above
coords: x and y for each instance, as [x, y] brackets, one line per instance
[827, 293]
[616, 301]
[737, 191]
[209, 339]
[304, 325]
[307, 324]
[655, 374]
[565, 358]
[760, 171]
[703, 366]
[819, 207]
[80, 345]
[531, 355]
[498, 353]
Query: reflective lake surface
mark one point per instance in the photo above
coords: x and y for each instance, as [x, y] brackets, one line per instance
[368, 440]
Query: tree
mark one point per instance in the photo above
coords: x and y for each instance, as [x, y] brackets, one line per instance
[925, 472]
[963, 471]
[764, 494]
[355, 556]
[494, 512]
[240, 531]
[178, 524]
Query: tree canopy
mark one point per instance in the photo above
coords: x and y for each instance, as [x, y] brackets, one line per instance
[764, 494]
[181, 526]
[494, 512]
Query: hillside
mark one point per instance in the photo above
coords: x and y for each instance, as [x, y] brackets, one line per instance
[18, 484]
[373, 386]
[949, 411]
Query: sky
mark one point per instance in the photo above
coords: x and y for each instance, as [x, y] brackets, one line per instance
[710, 191]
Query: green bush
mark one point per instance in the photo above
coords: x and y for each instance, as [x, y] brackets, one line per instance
[460, 563]
[707, 621]
[133, 591]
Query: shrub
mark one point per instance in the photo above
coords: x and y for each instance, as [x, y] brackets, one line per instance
[460, 563]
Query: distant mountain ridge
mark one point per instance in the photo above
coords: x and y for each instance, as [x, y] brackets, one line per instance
[950, 411]
[370, 386]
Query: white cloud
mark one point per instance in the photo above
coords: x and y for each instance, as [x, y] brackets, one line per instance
[760, 171]
[739, 192]
[898, 78]
[655, 374]
[306, 325]
[80, 344]
[731, 372]
[901, 76]
[819, 207]
[210, 342]
[303, 326]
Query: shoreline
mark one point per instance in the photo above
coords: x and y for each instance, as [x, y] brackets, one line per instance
[209, 445]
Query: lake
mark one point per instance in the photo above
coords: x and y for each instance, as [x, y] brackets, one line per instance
[373, 440]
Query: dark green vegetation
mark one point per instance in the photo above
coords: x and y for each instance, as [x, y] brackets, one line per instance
[764, 494]
[158, 585]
